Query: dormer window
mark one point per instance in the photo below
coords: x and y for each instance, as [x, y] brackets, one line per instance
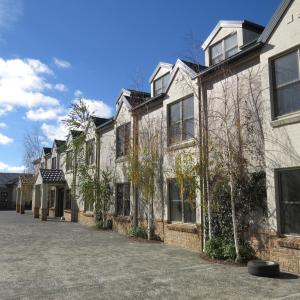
[160, 84]
[224, 49]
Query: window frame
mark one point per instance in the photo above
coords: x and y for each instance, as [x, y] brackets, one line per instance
[168, 74]
[181, 121]
[224, 51]
[279, 203]
[272, 79]
[123, 185]
[90, 155]
[69, 161]
[169, 182]
[53, 165]
[122, 150]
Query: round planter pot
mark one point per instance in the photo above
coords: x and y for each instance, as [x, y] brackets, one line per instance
[263, 268]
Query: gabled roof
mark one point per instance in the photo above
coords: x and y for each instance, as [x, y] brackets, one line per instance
[232, 24]
[8, 178]
[26, 178]
[52, 176]
[98, 121]
[47, 150]
[276, 18]
[59, 143]
[160, 65]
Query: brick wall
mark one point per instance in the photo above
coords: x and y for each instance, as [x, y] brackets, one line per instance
[86, 218]
[67, 215]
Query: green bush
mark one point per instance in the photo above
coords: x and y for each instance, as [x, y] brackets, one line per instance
[104, 225]
[138, 232]
[219, 248]
[214, 248]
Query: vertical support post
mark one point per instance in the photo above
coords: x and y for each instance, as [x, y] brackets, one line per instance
[18, 201]
[22, 201]
[44, 202]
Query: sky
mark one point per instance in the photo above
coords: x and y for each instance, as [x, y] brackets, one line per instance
[53, 52]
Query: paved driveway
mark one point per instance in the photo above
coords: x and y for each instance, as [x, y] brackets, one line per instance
[60, 260]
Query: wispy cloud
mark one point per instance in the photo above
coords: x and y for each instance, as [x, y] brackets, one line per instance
[2, 125]
[44, 114]
[78, 93]
[10, 11]
[98, 107]
[61, 63]
[4, 140]
[7, 168]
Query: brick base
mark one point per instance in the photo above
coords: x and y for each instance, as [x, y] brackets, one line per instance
[86, 218]
[43, 214]
[51, 212]
[22, 209]
[285, 251]
[67, 215]
[36, 212]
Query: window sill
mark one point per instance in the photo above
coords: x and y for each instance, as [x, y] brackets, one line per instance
[289, 242]
[183, 227]
[123, 219]
[181, 145]
[286, 120]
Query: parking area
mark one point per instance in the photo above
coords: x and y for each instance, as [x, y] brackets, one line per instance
[62, 260]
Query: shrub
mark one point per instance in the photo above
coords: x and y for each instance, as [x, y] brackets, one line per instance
[100, 224]
[138, 231]
[214, 248]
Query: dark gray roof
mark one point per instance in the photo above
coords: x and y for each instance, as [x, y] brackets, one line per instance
[275, 20]
[52, 176]
[76, 133]
[137, 97]
[47, 150]
[59, 143]
[195, 67]
[8, 178]
[99, 121]
[27, 178]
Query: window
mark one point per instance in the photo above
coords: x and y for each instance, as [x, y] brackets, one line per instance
[69, 161]
[181, 210]
[181, 120]
[123, 199]
[160, 84]
[224, 49]
[90, 152]
[42, 165]
[53, 166]
[289, 201]
[68, 199]
[286, 83]
[123, 136]
[88, 206]
[52, 198]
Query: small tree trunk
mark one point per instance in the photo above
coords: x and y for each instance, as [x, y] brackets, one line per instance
[149, 222]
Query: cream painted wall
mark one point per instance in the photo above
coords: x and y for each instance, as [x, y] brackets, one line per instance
[282, 143]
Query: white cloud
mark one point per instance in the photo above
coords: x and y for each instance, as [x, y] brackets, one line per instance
[44, 114]
[98, 108]
[57, 131]
[22, 83]
[60, 87]
[61, 63]
[2, 125]
[4, 140]
[78, 93]
[7, 168]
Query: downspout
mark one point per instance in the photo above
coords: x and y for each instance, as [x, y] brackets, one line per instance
[134, 188]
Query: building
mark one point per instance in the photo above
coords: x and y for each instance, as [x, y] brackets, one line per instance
[177, 117]
[8, 190]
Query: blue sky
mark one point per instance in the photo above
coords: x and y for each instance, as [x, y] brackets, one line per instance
[53, 51]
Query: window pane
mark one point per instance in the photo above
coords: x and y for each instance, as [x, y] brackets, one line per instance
[288, 99]
[188, 129]
[119, 208]
[165, 81]
[158, 86]
[126, 199]
[175, 202]
[216, 50]
[286, 68]
[175, 113]
[290, 201]
[189, 211]
[230, 42]
[188, 108]
[175, 133]
[231, 52]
